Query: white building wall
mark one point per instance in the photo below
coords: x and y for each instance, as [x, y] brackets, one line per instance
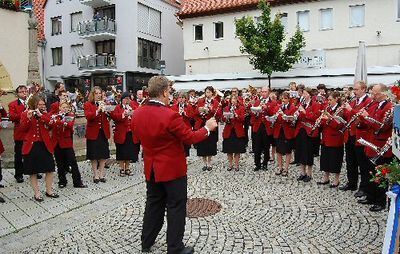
[340, 44]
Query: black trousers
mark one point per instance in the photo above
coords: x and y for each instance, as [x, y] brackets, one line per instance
[316, 145]
[172, 196]
[364, 166]
[351, 162]
[376, 194]
[261, 143]
[1, 172]
[65, 158]
[18, 165]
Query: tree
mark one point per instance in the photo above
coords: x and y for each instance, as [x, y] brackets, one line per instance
[264, 41]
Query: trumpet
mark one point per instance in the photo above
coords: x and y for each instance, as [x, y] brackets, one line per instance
[273, 118]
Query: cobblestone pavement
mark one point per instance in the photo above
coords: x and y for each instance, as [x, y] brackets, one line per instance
[261, 213]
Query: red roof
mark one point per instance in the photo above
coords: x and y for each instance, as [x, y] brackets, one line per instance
[196, 8]
[38, 8]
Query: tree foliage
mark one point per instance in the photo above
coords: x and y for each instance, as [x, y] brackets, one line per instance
[264, 42]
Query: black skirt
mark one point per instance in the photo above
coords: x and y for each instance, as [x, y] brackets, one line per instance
[331, 159]
[187, 150]
[233, 144]
[98, 149]
[273, 141]
[283, 145]
[304, 148]
[128, 151]
[208, 147]
[39, 160]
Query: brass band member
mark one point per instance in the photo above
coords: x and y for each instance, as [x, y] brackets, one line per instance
[308, 113]
[97, 134]
[234, 142]
[379, 120]
[355, 157]
[182, 108]
[332, 140]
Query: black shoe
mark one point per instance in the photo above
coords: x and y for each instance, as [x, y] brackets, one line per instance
[103, 180]
[293, 162]
[323, 183]
[39, 199]
[2, 200]
[359, 194]
[257, 168]
[187, 250]
[62, 185]
[365, 201]
[39, 176]
[306, 179]
[81, 186]
[19, 179]
[146, 250]
[1, 186]
[376, 208]
[204, 168]
[96, 180]
[209, 168]
[53, 195]
[230, 168]
[347, 187]
[332, 186]
[106, 166]
[301, 177]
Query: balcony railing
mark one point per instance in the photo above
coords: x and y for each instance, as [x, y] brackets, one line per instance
[95, 3]
[98, 29]
[100, 63]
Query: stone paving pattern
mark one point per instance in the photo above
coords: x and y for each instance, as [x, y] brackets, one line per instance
[261, 213]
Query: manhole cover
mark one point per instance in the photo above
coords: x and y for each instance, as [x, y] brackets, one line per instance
[202, 207]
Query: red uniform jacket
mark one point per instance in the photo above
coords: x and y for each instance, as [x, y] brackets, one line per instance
[256, 120]
[200, 119]
[236, 123]
[331, 135]
[307, 120]
[55, 107]
[162, 134]
[15, 110]
[3, 113]
[36, 130]
[62, 131]
[186, 114]
[95, 122]
[288, 128]
[378, 138]
[134, 104]
[122, 125]
[361, 132]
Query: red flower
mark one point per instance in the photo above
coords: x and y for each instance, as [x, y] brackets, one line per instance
[385, 171]
[377, 180]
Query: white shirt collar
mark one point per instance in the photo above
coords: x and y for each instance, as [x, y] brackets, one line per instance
[334, 107]
[157, 101]
[361, 99]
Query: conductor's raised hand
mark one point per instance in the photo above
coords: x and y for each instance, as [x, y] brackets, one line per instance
[211, 124]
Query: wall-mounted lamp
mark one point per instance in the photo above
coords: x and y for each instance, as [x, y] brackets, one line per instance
[205, 49]
[378, 33]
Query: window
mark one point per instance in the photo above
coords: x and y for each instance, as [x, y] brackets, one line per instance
[75, 19]
[76, 52]
[398, 10]
[326, 19]
[303, 20]
[149, 54]
[56, 25]
[104, 12]
[357, 15]
[218, 30]
[284, 20]
[57, 56]
[198, 32]
[105, 47]
[149, 21]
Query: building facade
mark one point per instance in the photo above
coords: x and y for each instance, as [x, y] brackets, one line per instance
[111, 42]
[332, 30]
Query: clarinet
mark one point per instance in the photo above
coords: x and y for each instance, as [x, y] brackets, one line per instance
[388, 117]
[383, 150]
[354, 118]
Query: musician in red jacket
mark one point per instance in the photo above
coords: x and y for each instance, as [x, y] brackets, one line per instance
[15, 109]
[127, 146]
[379, 120]
[356, 159]
[284, 133]
[332, 149]
[206, 109]
[261, 131]
[37, 148]
[234, 142]
[162, 138]
[97, 133]
[306, 132]
[182, 108]
[62, 123]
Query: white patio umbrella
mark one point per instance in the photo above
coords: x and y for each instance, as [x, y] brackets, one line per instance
[361, 65]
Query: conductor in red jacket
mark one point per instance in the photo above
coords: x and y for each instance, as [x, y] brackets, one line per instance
[162, 133]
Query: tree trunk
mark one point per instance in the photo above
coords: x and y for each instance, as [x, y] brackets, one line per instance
[269, 82]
